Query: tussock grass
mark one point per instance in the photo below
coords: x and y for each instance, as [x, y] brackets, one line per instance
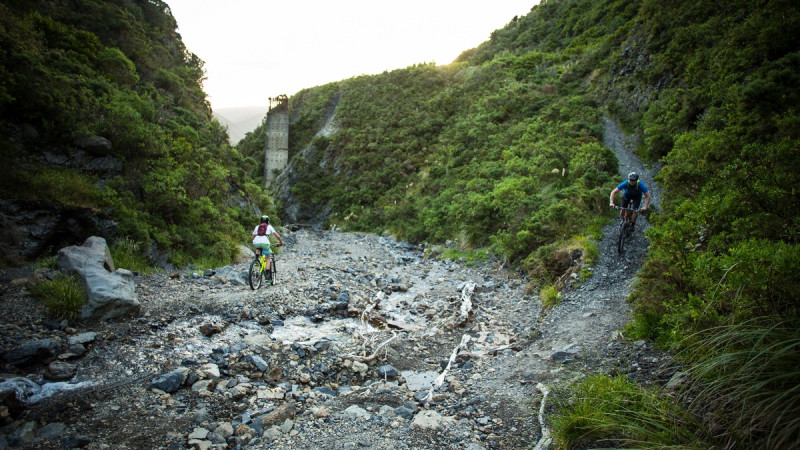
[63, 296]
[616, 412]
[748, 381]
[549, 296]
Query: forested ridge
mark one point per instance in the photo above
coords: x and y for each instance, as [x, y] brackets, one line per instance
[164, 185]
[500, 151]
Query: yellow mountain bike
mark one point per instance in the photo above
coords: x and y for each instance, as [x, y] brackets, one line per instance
[259, 271]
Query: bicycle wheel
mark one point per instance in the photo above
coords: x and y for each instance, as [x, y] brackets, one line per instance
[254, 275]
[623, 234]
[272, 269]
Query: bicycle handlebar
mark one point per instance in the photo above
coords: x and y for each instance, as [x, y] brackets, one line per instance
[627, 209]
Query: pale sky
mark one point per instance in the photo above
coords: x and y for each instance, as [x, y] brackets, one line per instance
[256, 49]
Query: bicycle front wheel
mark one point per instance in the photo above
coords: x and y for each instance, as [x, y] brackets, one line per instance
[272, 270]
[623, 231]
[255, 275]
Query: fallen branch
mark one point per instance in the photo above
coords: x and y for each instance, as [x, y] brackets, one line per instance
[375, 353]
[440, 379]
[546, 440]
[373, 305]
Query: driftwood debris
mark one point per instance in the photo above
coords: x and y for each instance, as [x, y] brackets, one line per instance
[440, 379]
[374, 354]
[466, 302]
[546, 439]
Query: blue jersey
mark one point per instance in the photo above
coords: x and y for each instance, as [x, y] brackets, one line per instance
[632, 190]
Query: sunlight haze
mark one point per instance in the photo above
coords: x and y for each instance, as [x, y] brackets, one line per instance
[256, 49]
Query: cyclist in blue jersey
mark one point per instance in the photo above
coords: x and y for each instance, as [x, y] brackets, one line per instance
[632, 192]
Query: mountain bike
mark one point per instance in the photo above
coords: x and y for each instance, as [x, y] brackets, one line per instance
[625, 226]
[258, 270]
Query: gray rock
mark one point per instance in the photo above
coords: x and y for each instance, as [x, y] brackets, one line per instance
[83, 338]
[325, 391]
[243, 254]
[60, 370]
[419, 381]
[258, 362]
[677, 380]
[169, 382]
[110, 294]
[23, 435]
[233, 276]
[77, 349]
[51, 431]
[208, 273]
[225, 430]
[278, 415]
[96, 145]
[32, 352]
[387, 372]
[199, 433]
[356, 412]
[404, 412]
[431, 420]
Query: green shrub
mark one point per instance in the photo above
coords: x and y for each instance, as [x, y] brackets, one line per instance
[618, 413]
[549, 296]
[63, 296]
[129, 254]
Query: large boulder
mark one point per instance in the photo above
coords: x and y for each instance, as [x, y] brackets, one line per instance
[96, 145]
[243, 254]
[110, 294]
[32, 352]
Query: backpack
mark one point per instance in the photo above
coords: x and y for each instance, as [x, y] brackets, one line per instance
[633, 189]
[262, 229]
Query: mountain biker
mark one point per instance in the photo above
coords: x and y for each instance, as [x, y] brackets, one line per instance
[632, 191]
[261, 238]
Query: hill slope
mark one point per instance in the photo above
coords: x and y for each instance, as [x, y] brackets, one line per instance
[106, 130]
[501, 150]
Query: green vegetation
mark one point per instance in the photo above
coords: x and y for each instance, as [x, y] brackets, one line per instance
[66, 75]
[549, 296]
[618, 413]
[501, 150]
[63, 296]
[128, 254]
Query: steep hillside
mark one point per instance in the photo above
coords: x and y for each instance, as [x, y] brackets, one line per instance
[105, 129]
[500, 151]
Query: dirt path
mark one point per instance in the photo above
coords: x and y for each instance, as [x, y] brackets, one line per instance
[344, 350]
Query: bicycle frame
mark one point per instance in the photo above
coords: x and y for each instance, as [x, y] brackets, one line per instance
[625, 213]
[625, 226]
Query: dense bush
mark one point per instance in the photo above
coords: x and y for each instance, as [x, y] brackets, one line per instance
[66, 74]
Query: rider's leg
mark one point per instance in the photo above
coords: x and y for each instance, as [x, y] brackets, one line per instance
[635, 205]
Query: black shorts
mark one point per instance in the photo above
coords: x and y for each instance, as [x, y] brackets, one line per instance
[632, 202]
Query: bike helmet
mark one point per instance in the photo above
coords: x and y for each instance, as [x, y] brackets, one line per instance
[633, 177]
[265, 219]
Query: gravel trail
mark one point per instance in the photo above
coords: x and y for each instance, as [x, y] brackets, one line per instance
[342, 352]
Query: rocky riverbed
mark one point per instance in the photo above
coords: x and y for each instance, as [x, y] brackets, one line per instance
[363, 342]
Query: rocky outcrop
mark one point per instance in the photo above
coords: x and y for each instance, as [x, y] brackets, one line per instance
[110, 293]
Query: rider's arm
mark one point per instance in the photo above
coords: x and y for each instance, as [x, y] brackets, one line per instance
[279, 237]
[613, 193]
[646, 200]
